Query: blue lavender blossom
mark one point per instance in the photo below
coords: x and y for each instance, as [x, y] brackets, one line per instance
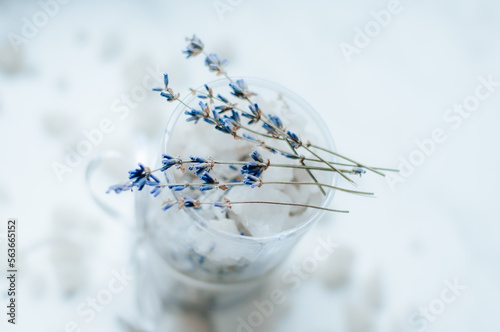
[118, 188]
[223, 205]
[270, 149]
[196, 115]
[188, 202]
[169, 95]
[240, 89]
[254, 168]
[275, 123]
[169, 161]
[198, 159]
[140, 176]
[224, 108]
[291, 156]
[210, 94]
[224, 125]
[156, 191]
[252, 181]
[294, 138]
[178, 187]
[165, 82]
[235, 118]
[255, 114]
[210, 182]
[166, 91]
[168, 204]
[255, 155]
[194, 47]
[215, 64]
[202, 165]
[359, 170]
[249, 137]
[223, 99]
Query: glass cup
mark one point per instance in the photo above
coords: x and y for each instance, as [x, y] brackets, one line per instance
[182, 259]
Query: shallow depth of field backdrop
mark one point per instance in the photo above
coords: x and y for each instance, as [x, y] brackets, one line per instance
[413, 84]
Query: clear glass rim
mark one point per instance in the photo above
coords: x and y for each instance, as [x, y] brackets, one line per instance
[303, 226]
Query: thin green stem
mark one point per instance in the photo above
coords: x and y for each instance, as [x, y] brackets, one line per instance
[348, 159]
[331, 166]
[283, 203]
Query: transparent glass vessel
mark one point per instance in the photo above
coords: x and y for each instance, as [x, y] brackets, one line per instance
[186, 261]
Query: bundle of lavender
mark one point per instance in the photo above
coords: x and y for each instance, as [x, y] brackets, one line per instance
[245, 152]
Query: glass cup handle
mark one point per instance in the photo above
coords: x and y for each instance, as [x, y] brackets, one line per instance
[91, 168]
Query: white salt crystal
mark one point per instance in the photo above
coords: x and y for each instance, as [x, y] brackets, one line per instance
[260, 219]
[226, 225]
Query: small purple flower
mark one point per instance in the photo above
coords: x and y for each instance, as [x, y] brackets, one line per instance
[294, 138]
[250, 137]
[178, 187]
[169, 161]
[210, 181]
[198, 159]
[255, 155]
[223, 108]
[223, 205]
[235, 118]
[254, 168]
[252, 181]
[194, 47]
[275, 125]
[140, 176]
[223, 99]
[240, 89]
[167, 205]
[291, 156]
[156, 191]
[210, 94]
[224, 125]
[196, 115]
[118, 188]
[202, 165]
[165, 81]
[358, 170]
[188, 202]
[169, 95]
[215, 64]
[255, 114]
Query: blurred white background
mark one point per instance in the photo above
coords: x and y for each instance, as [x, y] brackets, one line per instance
[439, 221]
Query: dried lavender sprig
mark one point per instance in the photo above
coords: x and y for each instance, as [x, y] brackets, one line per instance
[284, 135]
[208, 164]
[272, 125]
[189, 202]
[258, 183]
[373, 169]
[239, 90]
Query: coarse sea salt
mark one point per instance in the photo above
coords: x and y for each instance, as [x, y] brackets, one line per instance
[258, 220]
